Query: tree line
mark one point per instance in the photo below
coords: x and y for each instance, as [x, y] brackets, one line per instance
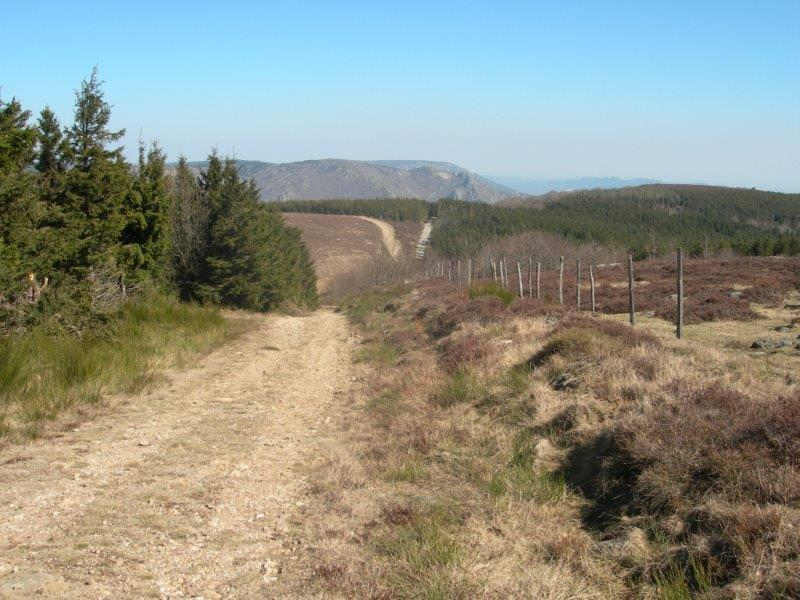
[79, 224]
[645, 226]
[647, 221]
[393, 209]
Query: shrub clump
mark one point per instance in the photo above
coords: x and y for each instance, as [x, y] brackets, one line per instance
[461, 387]
[715, 472]
[491, 289]
[455, 354]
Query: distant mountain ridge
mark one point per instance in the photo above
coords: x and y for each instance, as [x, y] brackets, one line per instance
[528, 185]
[338, 178]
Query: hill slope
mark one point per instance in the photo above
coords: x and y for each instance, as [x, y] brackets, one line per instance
[741, 205]
[648, 219]
[335, 178]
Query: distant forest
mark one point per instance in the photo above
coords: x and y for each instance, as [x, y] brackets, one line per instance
[647, 220]
[393, 209]
[81, 228]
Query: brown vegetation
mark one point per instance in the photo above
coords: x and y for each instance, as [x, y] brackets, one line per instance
[339, 244]
[349, 255]
[715, 289]
[524, 450]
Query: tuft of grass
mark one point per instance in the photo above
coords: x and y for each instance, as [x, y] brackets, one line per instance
[42, 373]
[524, 483]
[461, 387]
[491, 289]
[407, 472]
[423, 555]
[381, 352]
[683, 583]
[385, 405]
[359, 307]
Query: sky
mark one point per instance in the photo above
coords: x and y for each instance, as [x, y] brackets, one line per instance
[677, 90]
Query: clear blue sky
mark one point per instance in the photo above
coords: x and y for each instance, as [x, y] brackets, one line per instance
[679, 91]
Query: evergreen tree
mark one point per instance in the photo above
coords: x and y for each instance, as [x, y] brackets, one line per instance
[89, 135]
[95, 188]
[52, 162]
[145, 238]
[53, 151]
[19, 208]
[189, 228]
[252, 260]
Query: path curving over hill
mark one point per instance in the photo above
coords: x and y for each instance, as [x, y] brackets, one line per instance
[390, 241]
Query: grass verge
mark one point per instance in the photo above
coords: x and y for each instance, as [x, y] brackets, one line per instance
[42, 373]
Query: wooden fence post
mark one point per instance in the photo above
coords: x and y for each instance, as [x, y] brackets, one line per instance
[538, 281]
[519, 274]
[561, 280]
[631, 306]
[530, 277]
[679, 316]
[578, 284]
[591, 283]
[494, 271]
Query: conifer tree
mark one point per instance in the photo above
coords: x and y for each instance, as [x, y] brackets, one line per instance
[19, 208]
[189, 227]
[53, 151]
[252, 260]
[97, 186]
[145, 238]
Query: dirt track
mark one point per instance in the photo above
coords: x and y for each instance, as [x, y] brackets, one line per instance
[390, 241]
[193, 490]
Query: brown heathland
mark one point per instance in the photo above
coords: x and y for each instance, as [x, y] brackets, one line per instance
[525, 451]
[339, 244]
[454, 447]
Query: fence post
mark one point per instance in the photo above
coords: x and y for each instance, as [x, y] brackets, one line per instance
[561, 280]
[494, 271]
[538, 281]
[631, 306]
[679, 316]
[519, 274]
[530, 277]
[578, 284]
[469, 272]
[591, 283]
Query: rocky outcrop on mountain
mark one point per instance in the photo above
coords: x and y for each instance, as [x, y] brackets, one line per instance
[335, 178]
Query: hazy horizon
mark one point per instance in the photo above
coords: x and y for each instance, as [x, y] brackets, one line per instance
[678, 93]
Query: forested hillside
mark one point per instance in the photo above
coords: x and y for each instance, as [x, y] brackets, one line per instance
[394, 209]
[647, 220]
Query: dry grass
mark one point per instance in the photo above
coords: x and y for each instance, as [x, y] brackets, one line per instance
[42, 374]
[349, 256]
[339, 244]
[526, 451]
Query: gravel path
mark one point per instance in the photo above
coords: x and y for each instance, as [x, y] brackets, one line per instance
[193, 490]
[390, 241]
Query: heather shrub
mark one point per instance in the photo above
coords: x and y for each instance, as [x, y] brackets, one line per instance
[491, 289]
